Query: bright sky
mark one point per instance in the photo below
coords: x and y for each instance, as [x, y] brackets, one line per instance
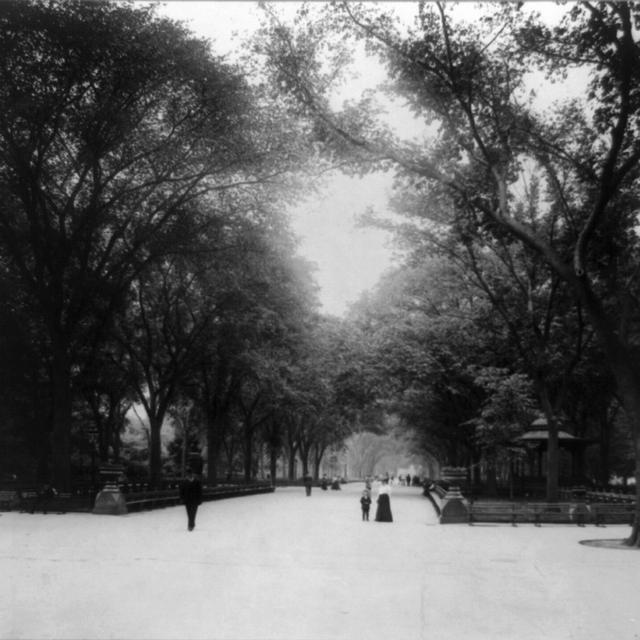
[349, 259]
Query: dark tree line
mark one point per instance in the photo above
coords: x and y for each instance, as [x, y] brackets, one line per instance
[145, 259]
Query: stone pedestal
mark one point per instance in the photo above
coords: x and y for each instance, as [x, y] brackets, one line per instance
[454, 507]
[110, 500]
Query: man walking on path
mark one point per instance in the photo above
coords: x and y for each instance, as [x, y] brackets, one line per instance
[308, 482]
[191, 496]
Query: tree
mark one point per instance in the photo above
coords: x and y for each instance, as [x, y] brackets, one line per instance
[469, 81]
[506, 413]
[111, 122]
[162, 335]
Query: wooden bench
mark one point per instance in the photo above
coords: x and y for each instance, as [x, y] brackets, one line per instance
[151, 499]
[234, 490]
[531, 512]
[608, 496]
[8, 500]
[160, 498]
[559, 513]
[496, 512]
[612, 513]
[59, 503]
[32, 501]
[27, 500]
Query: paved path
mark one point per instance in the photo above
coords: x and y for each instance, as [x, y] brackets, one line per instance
[286, 567]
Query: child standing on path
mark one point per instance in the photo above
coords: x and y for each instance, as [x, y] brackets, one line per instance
[365, 502]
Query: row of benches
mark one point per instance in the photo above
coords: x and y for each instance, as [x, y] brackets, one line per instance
[151, 499]
[607, 496]
[157, 499]
[537, 513]
[32, 501]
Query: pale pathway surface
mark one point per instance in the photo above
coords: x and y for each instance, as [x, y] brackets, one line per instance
[287, 567]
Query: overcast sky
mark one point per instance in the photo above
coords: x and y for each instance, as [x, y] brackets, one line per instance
[349, 259]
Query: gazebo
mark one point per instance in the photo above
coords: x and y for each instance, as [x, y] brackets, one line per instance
[535, 441]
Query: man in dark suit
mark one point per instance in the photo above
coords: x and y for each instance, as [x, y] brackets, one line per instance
[308, 483]
[191, 496]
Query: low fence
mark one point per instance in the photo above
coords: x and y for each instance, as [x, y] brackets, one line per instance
[160, 498]
[137, 497]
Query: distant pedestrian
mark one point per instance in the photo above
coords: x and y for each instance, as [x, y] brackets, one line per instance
[191, 496]
[324, 483]
[365, 502]
[308, 483]
[383, 511]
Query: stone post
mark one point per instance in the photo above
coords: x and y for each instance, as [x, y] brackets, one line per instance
[110, 500]
[454, 504]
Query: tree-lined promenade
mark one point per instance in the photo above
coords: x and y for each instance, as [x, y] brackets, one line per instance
[147, 262]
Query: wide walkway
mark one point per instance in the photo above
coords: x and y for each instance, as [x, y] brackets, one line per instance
[286, 567]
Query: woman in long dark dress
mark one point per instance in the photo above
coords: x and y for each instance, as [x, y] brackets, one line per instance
[383, 510]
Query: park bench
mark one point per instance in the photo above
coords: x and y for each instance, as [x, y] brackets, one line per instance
[160, 498]
[609, 496]
[8, 500]
[32, 501]
[534, 512]
[612, 513]
[27, 500]
[60, 502]
[151, 499]
[558, 512]
[234, 490]
[496, 512]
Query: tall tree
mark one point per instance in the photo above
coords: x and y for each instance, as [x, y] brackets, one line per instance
[111, 121]
[469, 80]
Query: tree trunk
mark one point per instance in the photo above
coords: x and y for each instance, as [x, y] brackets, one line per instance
[61, 420]
[628, 387]
[292, 464]
[304, 450]
[155, 451]
[634, 538]
[553, 452]
[103, 440]
[605, 447]
[215, 434]
[623, 363]
[492, 483]
[248, 453]
[317, 460]
[116, 442]
[273, 464]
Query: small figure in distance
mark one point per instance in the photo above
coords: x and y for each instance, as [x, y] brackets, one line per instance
[308, 483]
[365, 502]
[191, 496]
[324, 483]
